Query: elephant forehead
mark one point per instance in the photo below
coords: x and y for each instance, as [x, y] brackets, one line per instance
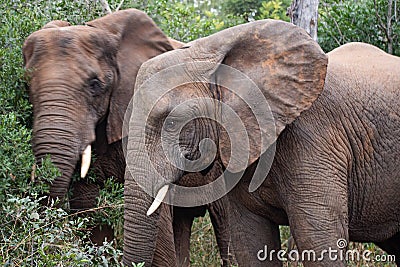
[184, 98]
[72, 40]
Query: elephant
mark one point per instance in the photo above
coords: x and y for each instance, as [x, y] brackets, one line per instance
[311, 141]
[81, 79]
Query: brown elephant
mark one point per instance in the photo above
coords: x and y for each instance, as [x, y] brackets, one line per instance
[81, 79]
[322, 137]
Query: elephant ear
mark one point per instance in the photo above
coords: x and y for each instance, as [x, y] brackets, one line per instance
[286, 65]
[140, 39]
[56, 24]
[175, 43]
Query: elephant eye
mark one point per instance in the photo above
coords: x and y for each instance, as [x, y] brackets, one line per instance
[95, 85]
[170, 124]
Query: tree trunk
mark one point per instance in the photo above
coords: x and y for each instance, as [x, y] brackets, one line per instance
[304, 13]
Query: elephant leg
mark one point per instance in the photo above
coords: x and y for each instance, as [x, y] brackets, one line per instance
[392, 247]
[318, 217]
[183, 220]
[165, 254]
[218, 211]
[253, 237]
[84, 196]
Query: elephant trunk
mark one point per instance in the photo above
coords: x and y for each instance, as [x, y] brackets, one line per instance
[64, 155]
[144, 241]
[56, 135]
[140, 230]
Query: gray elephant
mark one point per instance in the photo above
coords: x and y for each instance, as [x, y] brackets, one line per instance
[333, 129]
[81, 79]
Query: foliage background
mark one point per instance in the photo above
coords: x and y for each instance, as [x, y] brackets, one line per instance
[31, 234]
[369, 21]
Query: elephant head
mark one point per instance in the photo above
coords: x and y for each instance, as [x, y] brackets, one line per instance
[187, 104]
[81, 77]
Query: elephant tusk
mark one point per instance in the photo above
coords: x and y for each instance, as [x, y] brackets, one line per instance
[86, 155]
[158, 200]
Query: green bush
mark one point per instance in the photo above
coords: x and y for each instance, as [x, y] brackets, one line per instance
[184, 22]
[249, 9]
[357, 21]
[274, 10]
[45, 236]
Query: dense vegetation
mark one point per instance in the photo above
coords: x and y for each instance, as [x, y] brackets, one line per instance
[31, 234]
